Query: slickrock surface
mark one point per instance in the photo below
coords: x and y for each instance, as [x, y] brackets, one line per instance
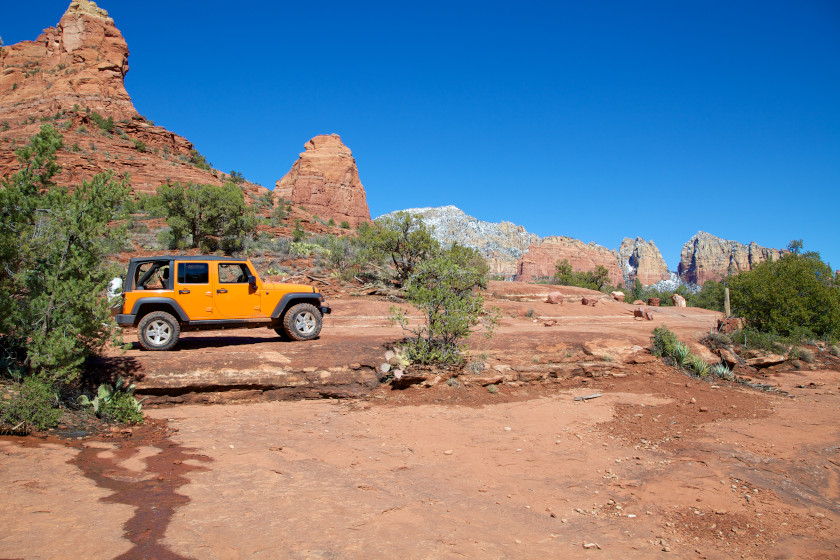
[641, 259]
[541, 260]
[325, 181]
[68, 75]
[706, 257]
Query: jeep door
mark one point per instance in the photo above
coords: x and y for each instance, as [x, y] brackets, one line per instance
[193, 290]
[235, 298]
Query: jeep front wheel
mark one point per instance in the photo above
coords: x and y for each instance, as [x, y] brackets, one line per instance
[158, 331]
[302, 322]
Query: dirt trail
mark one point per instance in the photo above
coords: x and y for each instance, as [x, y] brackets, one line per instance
[659, 465]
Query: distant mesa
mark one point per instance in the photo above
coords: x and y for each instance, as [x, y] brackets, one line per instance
[502, 244]
[73, 77]
[514, 253]
[325, 181]
[706, 257]
[541, 259]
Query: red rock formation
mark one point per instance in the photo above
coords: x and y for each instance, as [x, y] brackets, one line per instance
[641, 259]
[541, 259]
[66, 77]
[706, 257]
[325, 181]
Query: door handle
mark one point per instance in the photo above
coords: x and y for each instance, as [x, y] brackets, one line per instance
[183, 291]
[221, 291]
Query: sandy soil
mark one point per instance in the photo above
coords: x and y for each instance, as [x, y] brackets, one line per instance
[659, 465]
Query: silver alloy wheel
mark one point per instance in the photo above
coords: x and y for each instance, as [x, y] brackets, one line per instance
[158, 332]
[305, 323]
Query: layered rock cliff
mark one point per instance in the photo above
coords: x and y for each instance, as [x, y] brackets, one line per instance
[707, 257]
[541, 259]
[641, 259]
[325, 181]
[72, 77]
[502, 244]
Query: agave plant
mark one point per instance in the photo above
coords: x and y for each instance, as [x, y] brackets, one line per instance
[681, 354]
[698, 365]
[722, 370]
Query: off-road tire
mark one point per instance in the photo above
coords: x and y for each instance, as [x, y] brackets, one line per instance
[158, 330]
[302, 322]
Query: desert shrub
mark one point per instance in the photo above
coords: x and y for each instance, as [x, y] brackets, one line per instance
[710, 296]
[345, 225]
[53, 265]
[402, 238]
[835, 351]
[33, 406]
[793, 296]
[196, 214]
[444, 289]
[806, 355]
[237, 178]
[139, 145]
[199, 161]
[717, 340]
[663, 342]
[492, 389]
[753, 339]
[597, 279]
[115, 403]
[105, 125]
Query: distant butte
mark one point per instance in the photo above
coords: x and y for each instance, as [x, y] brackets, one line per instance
[325, 181]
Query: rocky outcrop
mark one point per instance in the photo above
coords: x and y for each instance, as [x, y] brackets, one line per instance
[641, 259]
[325, 181]
[541, 259]
[72, 77]
[706, 257]
[502, 244]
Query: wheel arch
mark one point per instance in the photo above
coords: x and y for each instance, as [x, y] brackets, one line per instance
[291, 299]
[143, 307]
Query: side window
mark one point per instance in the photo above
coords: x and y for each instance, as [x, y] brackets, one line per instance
[233, 273]
[193, 273]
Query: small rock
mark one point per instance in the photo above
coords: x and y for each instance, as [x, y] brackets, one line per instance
[591, 546]
[385, 368]
[448, 452]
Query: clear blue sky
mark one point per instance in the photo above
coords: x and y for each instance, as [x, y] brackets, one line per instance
[596, 120]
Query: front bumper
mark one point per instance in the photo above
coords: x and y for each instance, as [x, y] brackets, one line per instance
[325, 309]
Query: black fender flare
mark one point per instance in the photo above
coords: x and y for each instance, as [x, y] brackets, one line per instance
[296, 297]
[160, 301]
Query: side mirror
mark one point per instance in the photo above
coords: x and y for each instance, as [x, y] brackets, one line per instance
[252, 281]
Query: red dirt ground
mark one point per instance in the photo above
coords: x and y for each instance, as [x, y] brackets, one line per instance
[659, 465]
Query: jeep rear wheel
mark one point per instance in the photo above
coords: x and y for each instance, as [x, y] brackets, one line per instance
[158, 331]
[302, 322]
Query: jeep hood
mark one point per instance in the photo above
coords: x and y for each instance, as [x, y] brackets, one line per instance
[289, 287]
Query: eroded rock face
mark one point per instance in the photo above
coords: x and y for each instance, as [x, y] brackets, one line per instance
[502, 244]
[325, 181]
[706, 257]
[68, 76]
[641, 259]
[541, 259]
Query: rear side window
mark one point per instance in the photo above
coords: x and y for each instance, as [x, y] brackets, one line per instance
[193, 273]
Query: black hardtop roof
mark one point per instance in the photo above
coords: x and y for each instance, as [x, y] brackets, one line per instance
[185, 258]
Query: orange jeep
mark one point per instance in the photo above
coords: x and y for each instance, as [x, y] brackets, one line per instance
[167, 295]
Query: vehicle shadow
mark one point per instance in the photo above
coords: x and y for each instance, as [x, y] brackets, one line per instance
[107, 369]
[186, 342]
